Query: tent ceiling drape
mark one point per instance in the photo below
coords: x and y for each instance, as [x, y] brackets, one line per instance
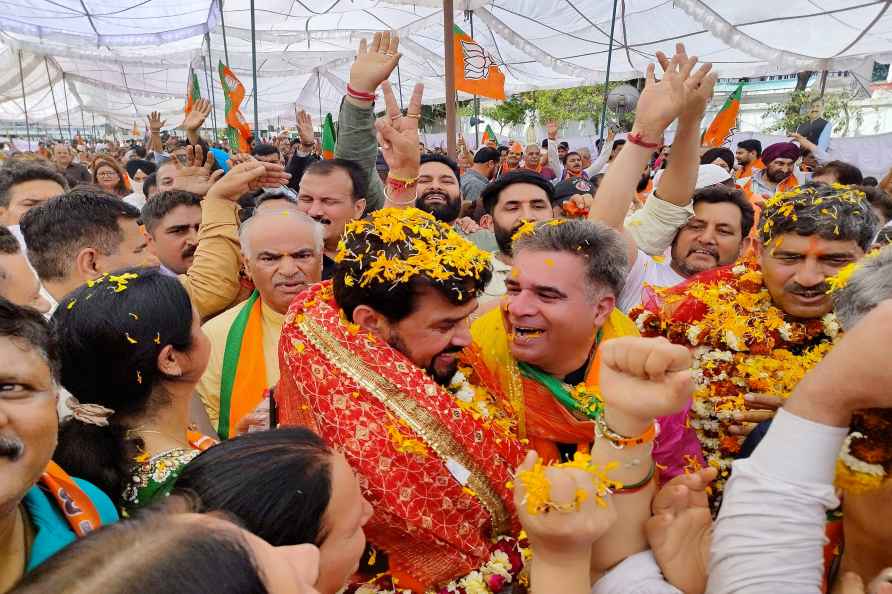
[122, 60]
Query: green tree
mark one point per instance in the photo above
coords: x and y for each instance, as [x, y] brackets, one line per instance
[837, 108]
[514, 111]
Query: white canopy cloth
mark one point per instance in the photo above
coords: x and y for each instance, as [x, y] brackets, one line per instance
[123, 60]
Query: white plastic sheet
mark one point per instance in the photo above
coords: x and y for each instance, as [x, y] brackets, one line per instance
[123, 60]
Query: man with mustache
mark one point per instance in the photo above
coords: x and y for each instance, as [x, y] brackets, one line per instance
[332, 192]
[779, 175]
[42, 509]
[172, 220]
[282, 250]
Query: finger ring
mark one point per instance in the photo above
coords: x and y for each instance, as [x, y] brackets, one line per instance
[414, 116]
[391, 54]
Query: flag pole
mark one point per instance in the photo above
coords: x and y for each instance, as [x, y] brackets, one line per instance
[399, 82]
[607, 78]
[210, 82]
[319, 92]
[476, 98]
[67, 112]
[448, 36]
[254, 72]
[223, 25]
[50, 82]
[25, 103]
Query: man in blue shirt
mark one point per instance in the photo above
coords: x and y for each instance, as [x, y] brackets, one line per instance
[42, 509]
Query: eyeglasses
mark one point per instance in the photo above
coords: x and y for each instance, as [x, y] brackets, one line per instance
[106, 174]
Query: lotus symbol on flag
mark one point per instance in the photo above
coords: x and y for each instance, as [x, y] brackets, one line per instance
[477, 61]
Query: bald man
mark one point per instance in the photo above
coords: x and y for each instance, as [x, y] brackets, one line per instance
[282, 250]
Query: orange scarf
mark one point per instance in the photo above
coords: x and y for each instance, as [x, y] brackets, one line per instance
[75, 505]
[243, 378]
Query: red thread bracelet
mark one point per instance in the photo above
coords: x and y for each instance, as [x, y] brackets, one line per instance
[637, 138]
[360, 95]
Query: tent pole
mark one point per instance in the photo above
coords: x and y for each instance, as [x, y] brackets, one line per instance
[476, 98]
[319, 91]
[50, 82]
[607, 78]
[93, 115]
[448, 36]
[223, 24]
[83, 123]
[25, 102]
[254, 71]
[67, 112]
[210, 82]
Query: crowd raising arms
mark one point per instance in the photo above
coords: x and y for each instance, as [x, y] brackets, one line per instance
[282, 510]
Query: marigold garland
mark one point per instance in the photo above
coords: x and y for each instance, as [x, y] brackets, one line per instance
[741, 343]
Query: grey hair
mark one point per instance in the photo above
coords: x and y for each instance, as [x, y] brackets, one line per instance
[603, 249]
[870, 284]
[302, 217]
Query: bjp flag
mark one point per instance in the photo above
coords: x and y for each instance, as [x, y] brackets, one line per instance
[723, 124]
[238, 132]
[488, 136]
[475, 70]
[193, 90]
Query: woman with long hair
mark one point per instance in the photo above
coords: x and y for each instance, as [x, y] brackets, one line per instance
[287, 487]
[110, 176]
[132, 351]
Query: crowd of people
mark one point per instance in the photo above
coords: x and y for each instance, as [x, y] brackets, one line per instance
[650, 368]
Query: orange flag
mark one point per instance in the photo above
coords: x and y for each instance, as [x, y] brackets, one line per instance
[237, 130]
[475, 70]
[723, 124]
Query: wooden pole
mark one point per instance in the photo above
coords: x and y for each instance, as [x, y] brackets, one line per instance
[25, 103]
[448, 35]
[476, 98]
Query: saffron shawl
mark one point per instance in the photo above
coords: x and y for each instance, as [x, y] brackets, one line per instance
[545, 422]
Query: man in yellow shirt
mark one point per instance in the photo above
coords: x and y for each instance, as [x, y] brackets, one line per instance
[282, 251]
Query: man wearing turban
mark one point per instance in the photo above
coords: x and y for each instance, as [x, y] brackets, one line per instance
[779, 174]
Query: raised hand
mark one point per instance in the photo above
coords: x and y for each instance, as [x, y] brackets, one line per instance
[194, 120]
[248, 176]
[698, 86]
[374, 62]
[305, 129]
[641, 379]
[194, 171]
[398, 134]
[663, 101]
[680, 530]
[154, 122]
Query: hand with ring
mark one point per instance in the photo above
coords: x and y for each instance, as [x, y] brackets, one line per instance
[374, 62]
[398, 134]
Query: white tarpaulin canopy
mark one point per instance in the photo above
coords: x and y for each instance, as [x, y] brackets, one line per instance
[119, 60]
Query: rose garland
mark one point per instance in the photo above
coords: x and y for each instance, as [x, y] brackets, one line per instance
[741, 342]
